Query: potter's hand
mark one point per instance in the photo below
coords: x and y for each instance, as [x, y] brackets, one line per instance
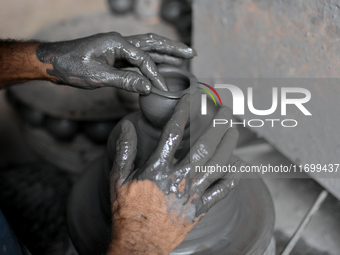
[93, 62]
[156, 206]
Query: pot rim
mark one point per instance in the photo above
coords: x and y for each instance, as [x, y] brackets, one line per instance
[174, 94]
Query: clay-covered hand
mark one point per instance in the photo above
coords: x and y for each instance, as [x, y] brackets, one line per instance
[156, 206]
[94, 61]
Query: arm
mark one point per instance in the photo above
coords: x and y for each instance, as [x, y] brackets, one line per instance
[19, 63]
[93, 62]
[156, 206]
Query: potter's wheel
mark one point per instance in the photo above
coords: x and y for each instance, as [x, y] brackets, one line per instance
[245, 227]
[247, 223]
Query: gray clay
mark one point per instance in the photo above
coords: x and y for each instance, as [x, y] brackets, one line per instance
[90, 62]
[158, 106]
[160, 168]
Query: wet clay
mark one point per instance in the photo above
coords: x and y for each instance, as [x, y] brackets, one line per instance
[214, 146]
[93, 61]
[157, 107]
[168, 197]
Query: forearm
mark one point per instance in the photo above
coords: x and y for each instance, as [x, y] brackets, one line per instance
[19, 63]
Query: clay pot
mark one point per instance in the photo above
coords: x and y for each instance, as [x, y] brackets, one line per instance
[171, 10]
[32, 116]
[62, 129]
[157, 109]
[98, 132]
[121, 6]
[158, 106]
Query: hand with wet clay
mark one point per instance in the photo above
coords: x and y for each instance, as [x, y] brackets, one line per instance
[93, 62]
[156, 206]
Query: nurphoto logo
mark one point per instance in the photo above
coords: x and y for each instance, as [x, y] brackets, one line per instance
[288, 96]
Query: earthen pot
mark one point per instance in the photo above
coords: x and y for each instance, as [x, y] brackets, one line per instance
[158, 106]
